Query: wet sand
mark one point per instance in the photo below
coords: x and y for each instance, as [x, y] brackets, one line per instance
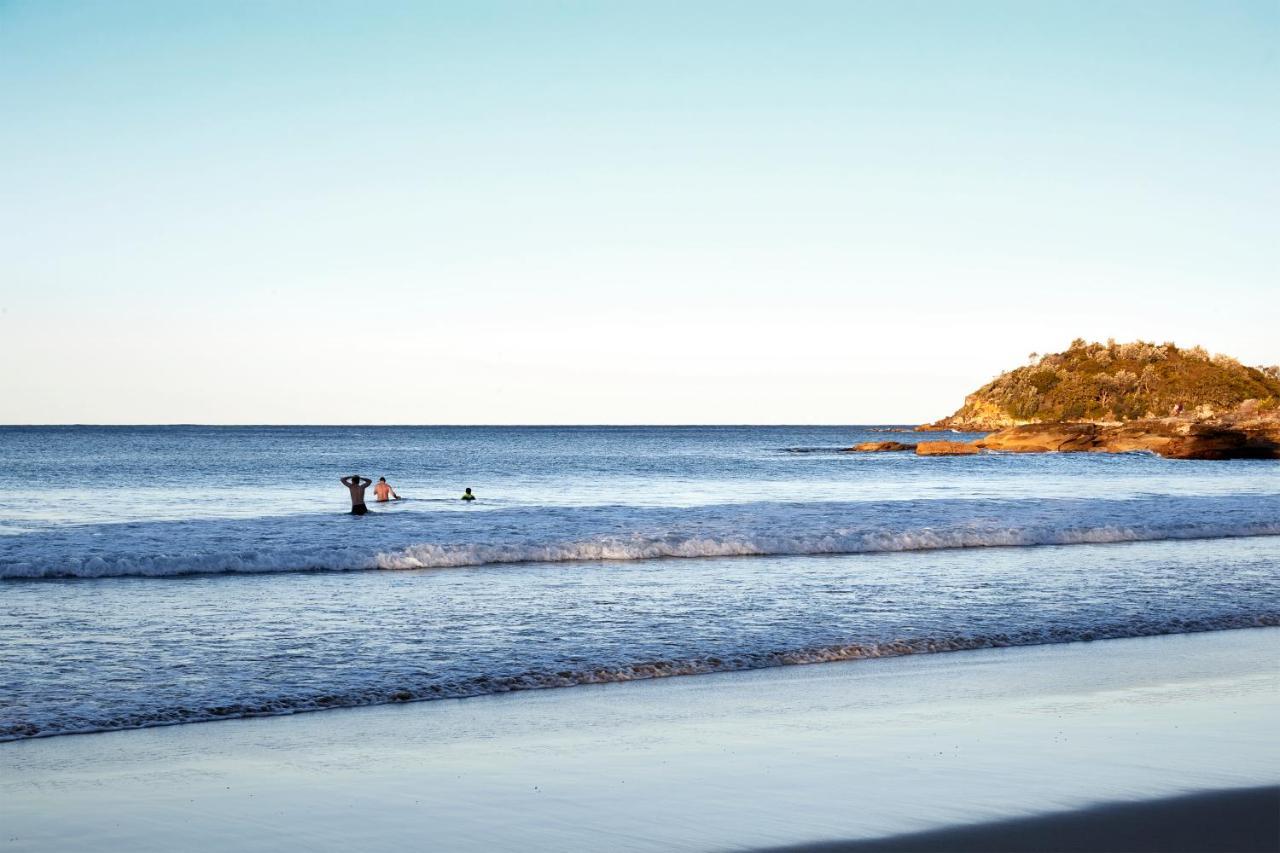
[830, 753]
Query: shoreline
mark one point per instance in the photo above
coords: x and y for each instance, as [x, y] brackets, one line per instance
[701, 667]
[749, 760]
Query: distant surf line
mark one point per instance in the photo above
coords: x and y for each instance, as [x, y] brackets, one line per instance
[626, 548]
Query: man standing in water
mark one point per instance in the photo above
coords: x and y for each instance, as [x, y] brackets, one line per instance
[383, 491]
[356, 485]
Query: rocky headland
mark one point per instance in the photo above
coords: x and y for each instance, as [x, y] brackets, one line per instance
[1114, 384]
[1117, 398]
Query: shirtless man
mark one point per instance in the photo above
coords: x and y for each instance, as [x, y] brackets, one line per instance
[356, 485]
[383, 491]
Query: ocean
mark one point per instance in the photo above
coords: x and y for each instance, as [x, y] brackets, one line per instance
[166, 575]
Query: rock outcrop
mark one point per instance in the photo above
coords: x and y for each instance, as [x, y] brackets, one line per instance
[1117, 383]
[1042, 438]
[879, 447]
[1171, 438]
[946, 448]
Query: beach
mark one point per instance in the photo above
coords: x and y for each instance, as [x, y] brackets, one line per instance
[720, 638]
[719, 426]
[836, 753]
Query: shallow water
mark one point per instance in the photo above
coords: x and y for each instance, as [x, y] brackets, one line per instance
[195, 569]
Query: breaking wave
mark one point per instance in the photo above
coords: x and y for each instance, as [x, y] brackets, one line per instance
[641, 548]
[432, 540]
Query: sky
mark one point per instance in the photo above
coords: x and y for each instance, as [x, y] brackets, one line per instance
[612, 212]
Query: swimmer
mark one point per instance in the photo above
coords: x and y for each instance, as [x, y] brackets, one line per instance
[467, 496]
[383, 491]
[356, 485]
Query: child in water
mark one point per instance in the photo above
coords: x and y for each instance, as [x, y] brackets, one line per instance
[467, 496]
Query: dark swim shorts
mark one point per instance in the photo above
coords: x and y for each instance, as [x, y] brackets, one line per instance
[359, 509]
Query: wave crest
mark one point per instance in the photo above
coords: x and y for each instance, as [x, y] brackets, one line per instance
[432, 540]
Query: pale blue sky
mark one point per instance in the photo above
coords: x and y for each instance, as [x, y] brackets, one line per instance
[606, 212]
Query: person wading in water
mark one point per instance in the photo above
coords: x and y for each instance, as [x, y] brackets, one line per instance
[356, 485]
[383, 491]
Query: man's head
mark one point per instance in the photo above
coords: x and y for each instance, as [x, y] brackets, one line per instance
[382, 479]
[468, 490]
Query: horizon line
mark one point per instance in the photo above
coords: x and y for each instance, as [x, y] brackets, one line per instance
[448, 425]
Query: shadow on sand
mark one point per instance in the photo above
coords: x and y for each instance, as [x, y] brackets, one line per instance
[1245, 820]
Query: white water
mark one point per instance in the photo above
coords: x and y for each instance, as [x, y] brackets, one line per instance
[416, 540]
[164, 576]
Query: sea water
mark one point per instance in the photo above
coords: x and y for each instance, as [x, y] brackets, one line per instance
[161, 575]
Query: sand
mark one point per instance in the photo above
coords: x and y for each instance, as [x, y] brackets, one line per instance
[1241, 820]
[831, 753]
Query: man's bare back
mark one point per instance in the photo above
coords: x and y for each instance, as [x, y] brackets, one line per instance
[356, 485]
[383, 491]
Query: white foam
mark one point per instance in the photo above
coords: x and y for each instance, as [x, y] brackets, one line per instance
[429, 556]
[428, 540]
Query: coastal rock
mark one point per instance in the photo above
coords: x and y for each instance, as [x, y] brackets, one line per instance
[1209, 441]
[1171, 438]
[977, 415]
[880, 447]
[945, 448]
[1154, 436]
[1042, 438]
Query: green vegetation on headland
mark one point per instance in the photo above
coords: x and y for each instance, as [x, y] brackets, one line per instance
[1118, 398]
[1116, 383]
